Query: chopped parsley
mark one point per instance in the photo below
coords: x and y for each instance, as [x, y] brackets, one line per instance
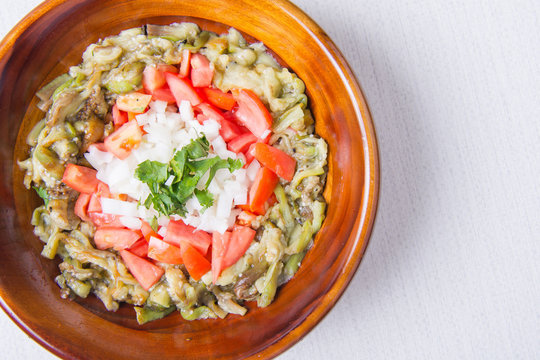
[187, 166]
[42, 193]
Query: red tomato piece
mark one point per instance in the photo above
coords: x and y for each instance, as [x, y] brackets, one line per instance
[252, 113]
[242, 142]
[182, 89]
[202, 71]
[152, 78]
[119, 117]
[140, 248]
[80, 178]
[94, 205]
[196, 264]
[250, 154]
[178, 232]
[104, 191]
[164, 252]
[164, 94]
[261, 189]
[100, 220]
[148, 232]
[220, 99]
[220, 243]
[116, 238]
[276, 160]
[127, 138]
[184, 65]
[241, 239]
[81, 207]
[167, 68]
[135, 102]
[146, 273]
[210, 112]
[229, 130]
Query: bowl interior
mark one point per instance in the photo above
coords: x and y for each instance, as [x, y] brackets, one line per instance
[53, 38]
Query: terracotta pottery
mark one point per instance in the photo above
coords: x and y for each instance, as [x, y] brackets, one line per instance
[52, 38]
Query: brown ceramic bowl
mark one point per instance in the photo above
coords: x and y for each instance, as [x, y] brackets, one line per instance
[52, 38]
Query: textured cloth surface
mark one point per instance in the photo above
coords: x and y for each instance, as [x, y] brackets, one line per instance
[452, 270]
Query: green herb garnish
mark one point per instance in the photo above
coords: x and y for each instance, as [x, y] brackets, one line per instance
[187, 166]
[42, 193]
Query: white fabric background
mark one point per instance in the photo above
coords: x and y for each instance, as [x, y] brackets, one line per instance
[452, 270]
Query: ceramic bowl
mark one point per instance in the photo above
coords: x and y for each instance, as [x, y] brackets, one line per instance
[52, 38]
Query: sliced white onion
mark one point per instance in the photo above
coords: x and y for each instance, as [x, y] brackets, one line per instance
[163, 220]
[211, 129]
[252, 170]
[162, 231]
[158, 106]
[169, 180]
[118, 207]
[131, 222]
[224, 204]
[186, 111]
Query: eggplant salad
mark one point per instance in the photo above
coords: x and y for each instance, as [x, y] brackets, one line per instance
[179, 170]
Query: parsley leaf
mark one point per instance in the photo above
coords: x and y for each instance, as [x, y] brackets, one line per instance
[152, 171]
[206, 199]
[188, 166]
[42, 193]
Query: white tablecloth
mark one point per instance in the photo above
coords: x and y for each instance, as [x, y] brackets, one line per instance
[452, 270]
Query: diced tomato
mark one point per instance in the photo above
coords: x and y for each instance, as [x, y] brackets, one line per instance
[182, 89]
[220, 99]
[81, 207]
[276, 160]
[164, 252]
[104, 191]
[152, 78]
[167, 68]
[80, 178]
[178, 232]
[94, 205]
[250, 154]
[245, 217]
[131, 115]
[124, 140]
[184, 65]
[196, 264]
[135, 102]
[119, 117]
[271, 200]
[241, 239]
[242, 142]
[164, 94]
[220, 243]
[99, 219]
[146, 273]
[261, 189]
[202, 71]
[210, 112]
[252, 113]
[244, 207]
[116, 238]
[201, 118]
[140, 248]
[148, 232]
[229, 130]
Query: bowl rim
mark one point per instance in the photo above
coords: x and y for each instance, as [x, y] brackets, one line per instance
[371, 186]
